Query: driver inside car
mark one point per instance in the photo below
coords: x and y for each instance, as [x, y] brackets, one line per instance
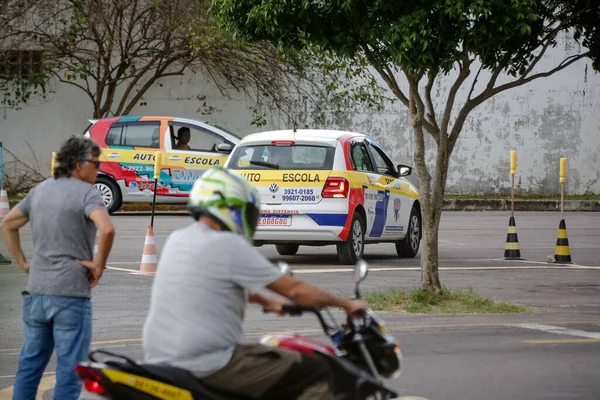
[207, 273]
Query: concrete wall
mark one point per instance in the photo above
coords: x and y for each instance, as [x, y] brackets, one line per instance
[544, 120]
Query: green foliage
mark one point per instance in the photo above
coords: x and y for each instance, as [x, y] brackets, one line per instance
[418, 37]
[18, 90]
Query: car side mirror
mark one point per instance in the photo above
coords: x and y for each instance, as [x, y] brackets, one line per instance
[224, 148]
[404, 170]
[361, 269]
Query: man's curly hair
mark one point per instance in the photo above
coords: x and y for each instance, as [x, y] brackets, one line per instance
[75, 149]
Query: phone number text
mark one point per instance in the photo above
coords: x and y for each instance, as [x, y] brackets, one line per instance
[298, 198]
[298, 191]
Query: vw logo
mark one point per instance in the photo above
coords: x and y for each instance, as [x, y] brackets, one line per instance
[273, 187]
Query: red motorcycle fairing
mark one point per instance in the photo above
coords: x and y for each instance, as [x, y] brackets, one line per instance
[297, 343]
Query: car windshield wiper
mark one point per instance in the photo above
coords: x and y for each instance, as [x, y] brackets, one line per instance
[264, 164]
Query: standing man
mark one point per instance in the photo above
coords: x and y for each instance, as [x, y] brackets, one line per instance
[65, 212]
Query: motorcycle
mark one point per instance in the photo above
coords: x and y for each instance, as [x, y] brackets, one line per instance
[362, 354]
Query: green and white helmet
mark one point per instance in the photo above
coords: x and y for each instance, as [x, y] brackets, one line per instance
[228, 198]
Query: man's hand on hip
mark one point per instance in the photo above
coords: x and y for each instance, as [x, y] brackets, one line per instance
[95, 269]
[25, 267]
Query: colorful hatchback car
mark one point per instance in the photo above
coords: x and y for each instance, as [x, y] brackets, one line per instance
[323, 187]
[129, 145]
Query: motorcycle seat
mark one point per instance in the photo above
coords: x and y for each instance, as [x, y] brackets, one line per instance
[182, 378]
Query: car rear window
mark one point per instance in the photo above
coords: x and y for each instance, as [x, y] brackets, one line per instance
[286, 157]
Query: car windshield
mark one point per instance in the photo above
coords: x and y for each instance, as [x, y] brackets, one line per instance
[226, 130]
[268, 156]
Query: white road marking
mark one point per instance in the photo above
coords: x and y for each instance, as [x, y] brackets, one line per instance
[559, 330]
[123, 262]
[384, 269]
[121, 269]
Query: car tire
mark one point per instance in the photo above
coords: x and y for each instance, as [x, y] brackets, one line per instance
[352, 249]
[287, 249]
[409, 246]
[110, 193]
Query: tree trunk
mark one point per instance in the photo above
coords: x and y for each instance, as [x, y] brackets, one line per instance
[430, 279]
[431, 192]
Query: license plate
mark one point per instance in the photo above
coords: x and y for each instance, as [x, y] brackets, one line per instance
[285, 220]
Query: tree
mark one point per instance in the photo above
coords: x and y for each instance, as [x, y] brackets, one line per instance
[425, 41]
[20, 76]
[116, 50]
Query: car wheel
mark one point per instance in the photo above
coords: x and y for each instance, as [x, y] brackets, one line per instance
[110, 192]
[409, 246]
[351, 250]
[287, 249]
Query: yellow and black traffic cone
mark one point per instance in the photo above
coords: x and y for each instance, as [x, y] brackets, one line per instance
[511, 250]
[562, 255]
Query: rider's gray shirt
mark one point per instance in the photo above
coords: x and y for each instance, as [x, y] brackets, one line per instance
[59, 210]
[199, 296]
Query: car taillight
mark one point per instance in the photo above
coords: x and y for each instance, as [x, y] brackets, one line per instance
[283, 142]
[90, 378]
[335, 187]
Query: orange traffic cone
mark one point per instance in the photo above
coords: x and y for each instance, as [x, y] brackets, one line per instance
[149, 259]
[4, 206]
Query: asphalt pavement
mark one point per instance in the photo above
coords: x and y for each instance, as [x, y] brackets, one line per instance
[551, 352]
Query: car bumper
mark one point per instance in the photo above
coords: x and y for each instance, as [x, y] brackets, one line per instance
[300, 228]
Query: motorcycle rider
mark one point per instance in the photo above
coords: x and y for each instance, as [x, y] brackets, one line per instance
[207, 273]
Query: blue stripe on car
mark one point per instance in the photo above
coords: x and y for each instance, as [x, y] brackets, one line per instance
[329, 219]
[381, 208]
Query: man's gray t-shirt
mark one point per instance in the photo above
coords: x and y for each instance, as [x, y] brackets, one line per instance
[58, 210]
[199, 296]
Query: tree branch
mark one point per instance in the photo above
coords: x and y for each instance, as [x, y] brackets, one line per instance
[136, 78]
[430, 108]
[523, 80]
[159, 74]
[414, 80]
[464, 72]
[471, 104]
[386, 74]
[474, 82]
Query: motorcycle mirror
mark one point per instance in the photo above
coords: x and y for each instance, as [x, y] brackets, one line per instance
[285, 268]
[361, 269]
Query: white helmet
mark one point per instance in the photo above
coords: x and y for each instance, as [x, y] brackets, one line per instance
[228, 198]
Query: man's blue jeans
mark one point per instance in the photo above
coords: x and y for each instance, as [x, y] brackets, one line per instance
[52, 323]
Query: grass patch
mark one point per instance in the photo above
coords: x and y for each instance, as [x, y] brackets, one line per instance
[449, 302]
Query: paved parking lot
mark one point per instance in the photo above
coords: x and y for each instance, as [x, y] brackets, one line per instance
[550, 353]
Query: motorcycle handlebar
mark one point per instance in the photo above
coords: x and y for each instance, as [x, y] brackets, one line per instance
[295, 309]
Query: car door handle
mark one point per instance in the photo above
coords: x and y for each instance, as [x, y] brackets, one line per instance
[387, 191]
[174, 158]
[365, 186]
[113, 155]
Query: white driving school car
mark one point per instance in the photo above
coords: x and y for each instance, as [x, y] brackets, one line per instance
[323, 187]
